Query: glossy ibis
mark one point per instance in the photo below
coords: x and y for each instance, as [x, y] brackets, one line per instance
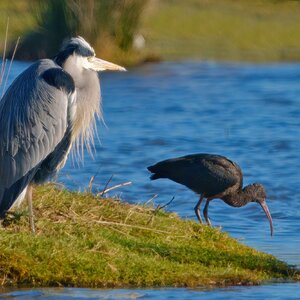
[212, 176]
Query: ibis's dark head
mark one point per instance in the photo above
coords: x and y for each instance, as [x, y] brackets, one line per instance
[257, 191]
[258, 194]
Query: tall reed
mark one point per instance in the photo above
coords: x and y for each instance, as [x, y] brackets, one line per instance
[110, 25]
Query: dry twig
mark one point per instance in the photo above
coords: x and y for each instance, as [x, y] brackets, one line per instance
[3, 64]
[150, 200]
[136, 227]
[107, 183]
[10, 64]
[165, 205]
[115, 187]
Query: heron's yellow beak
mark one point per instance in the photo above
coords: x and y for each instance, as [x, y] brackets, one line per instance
[98, 64]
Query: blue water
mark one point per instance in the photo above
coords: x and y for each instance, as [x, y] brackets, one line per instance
[247, 112]
[279, 292]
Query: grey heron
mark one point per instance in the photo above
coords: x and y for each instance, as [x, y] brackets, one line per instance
[47, 108]
[212, 176]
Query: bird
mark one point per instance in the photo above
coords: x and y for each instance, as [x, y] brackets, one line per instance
[49, 107]
[212, 176]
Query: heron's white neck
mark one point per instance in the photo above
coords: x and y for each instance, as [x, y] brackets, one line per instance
[88, 100]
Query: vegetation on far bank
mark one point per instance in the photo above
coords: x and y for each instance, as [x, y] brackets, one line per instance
[242, 30]
[86, 241]
[109, 25]
[258, 30]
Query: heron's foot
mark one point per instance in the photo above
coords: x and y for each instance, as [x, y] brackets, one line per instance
[12, 217]
[30, 217]
[31, 222]
[30, 208]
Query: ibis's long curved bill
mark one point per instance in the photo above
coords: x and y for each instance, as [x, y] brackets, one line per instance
[98, 64]
[264, 206]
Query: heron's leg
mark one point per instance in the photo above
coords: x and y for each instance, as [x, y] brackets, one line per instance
[205, 212]
[197, 209]
[30, 210]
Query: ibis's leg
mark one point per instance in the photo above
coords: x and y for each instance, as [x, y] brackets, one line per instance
[197, 209]
[30, 210]
[205, 212]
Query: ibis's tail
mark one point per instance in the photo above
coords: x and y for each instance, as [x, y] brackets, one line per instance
[156, 172]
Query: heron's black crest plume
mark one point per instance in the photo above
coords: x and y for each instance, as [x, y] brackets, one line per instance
[74, 45]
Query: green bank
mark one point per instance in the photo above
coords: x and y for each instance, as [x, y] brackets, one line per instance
[241, 30]
[86, 241]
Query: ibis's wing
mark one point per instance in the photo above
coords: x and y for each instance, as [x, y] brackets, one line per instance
[207, 173]
[33, 120]
[218, 174]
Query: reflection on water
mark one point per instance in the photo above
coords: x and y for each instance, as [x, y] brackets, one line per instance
[250, 113]
[277, 292]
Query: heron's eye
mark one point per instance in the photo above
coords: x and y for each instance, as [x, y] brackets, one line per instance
[91, 58]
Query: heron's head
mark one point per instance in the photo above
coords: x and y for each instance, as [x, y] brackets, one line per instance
[78, 53]
[78, 58]
[258, 194]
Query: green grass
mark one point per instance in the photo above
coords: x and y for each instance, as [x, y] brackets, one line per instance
[256, 30]
[85, 241]
[20, 18]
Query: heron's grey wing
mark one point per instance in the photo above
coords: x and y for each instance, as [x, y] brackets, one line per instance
[33, 121]
[207, 173]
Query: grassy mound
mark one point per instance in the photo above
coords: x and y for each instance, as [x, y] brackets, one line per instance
[87, 241]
